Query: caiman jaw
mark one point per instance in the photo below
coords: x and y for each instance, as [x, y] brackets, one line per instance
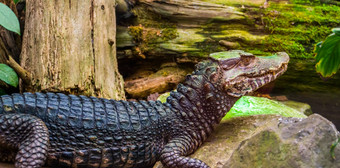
[250, 82]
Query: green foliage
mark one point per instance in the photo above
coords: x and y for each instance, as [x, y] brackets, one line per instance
[328, 54]
[15, 1]
[8, 75]
[8, 19]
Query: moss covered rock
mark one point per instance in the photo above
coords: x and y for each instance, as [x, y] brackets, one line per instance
[248, 105]
[270, 141]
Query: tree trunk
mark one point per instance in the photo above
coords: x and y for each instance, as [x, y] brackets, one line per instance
[69, 46]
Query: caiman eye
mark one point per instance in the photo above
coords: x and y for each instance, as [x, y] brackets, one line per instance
[230, 63]
[246, 60]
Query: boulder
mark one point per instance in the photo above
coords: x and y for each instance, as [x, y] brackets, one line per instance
[302, 107]
[270, 141]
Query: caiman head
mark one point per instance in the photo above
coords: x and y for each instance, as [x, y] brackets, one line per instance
[216, 84]
[243, 72]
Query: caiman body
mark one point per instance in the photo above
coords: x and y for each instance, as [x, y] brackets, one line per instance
[60, 130]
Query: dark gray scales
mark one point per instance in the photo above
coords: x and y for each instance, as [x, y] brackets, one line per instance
[60, 130]
[86, 130]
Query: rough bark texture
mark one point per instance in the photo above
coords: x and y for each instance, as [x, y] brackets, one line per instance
[69, 46]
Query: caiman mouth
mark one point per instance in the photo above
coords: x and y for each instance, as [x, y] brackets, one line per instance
[247, 83]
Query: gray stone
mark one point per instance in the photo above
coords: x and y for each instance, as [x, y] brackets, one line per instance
[302, 107]
[271, 141]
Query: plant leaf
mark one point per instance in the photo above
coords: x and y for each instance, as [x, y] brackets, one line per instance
[336, 31]
[317, 49]
[8, 75]
[8, 19]
[328, 56]
[16, 1]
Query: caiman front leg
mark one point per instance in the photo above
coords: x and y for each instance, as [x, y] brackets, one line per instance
[26, 134]
[175, 152]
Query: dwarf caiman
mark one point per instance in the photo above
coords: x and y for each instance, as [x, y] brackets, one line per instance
[59, 130]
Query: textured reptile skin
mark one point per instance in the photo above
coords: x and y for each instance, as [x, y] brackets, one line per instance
[87, 132]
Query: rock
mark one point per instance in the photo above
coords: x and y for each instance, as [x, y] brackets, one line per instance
[270, 141]
[302, 107]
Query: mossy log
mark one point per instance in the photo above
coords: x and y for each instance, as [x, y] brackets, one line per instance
[69, 46]
[185, 29]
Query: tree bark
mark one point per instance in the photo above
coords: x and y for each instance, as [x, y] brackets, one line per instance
[69, 46]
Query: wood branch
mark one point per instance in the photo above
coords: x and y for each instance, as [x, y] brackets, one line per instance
[22, 73]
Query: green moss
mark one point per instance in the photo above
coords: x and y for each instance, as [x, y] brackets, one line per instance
[136, 32]
[163, 97]
[247, 106]
[240, 35]
[238, 2]
[185, 41]
[295, 28]
[151, 30]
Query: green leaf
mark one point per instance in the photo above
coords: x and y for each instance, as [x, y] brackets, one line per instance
[8, 75]
[317, 48]
[336, 31]
[328, 56]
[8, 19]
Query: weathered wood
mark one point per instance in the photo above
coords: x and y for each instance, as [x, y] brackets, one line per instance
[69, 46]
[186, 29]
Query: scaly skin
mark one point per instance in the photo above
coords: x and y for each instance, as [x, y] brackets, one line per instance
[78, 131]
